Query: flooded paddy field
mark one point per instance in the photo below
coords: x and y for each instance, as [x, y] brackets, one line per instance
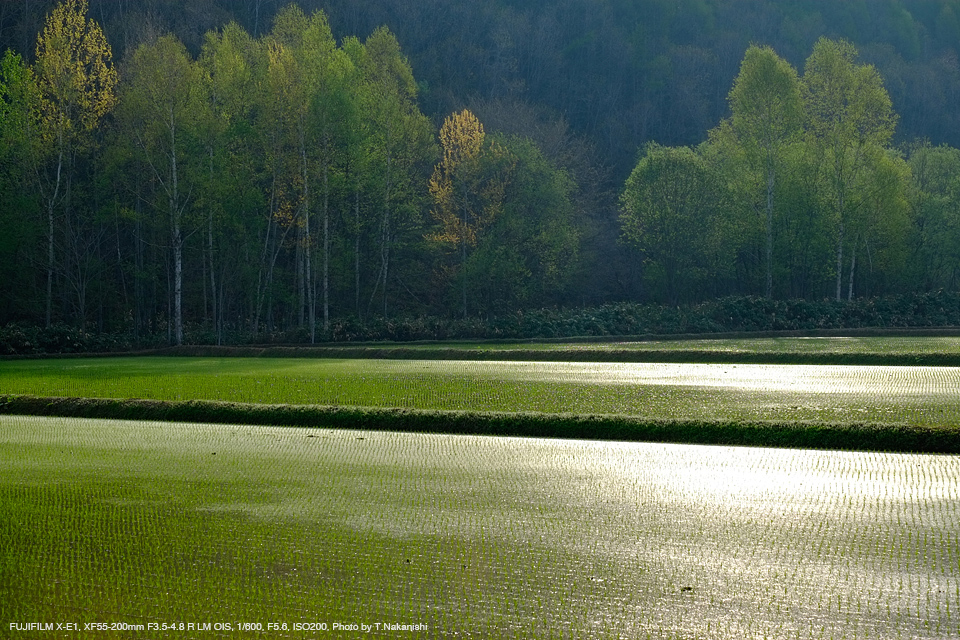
[827, 393]
[909, 350]
[472, 537]
[815, 345]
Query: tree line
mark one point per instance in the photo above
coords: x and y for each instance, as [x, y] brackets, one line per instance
[265, 184]
[798, 193]
[281, 180]
[620, 72]
[590, 81]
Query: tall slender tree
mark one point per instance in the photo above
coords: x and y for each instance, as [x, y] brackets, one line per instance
[467, 186]
[160, 110]
[18, 142]
[399, 143]
[305, 74]
[77, 86]
[329, 113]
[766, 115]
[227, 67]
[850, 119]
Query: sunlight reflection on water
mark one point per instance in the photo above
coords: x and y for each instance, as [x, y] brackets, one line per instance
[748, 377]
[562, 538]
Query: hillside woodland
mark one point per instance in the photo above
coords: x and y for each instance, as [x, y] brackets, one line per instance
[260, 167]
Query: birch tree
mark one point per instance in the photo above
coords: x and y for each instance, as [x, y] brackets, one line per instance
[18, 202]
[467, 186]
[227, 67]
[159, 108]
[766, 115]
[400, 141]
[850, 119]
[77, 83]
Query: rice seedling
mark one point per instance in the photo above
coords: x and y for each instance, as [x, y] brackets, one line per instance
[819, 393]
[876, 350]
[155, 522]
[151, 523]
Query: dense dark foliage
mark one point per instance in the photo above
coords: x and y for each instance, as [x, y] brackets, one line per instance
[726, 315]
[622, 72]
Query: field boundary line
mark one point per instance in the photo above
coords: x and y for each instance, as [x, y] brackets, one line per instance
[678, 356]
[904, 438]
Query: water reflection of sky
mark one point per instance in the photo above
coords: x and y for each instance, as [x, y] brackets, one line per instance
[747, 377]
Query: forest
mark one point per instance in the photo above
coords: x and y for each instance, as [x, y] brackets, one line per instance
[191, 170]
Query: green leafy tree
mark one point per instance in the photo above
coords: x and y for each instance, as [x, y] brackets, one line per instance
[399, 149]
[279, 164]
[312, 104]
[230, 190]
[804, 243]
[670, 208]
[468, 186]
[880, 226]
[767, 114]
[741, 225]
[934, 199]
[332, 116]
[290, 88]
[356, 137]
[160, 110]
[18, 106]
[850, 119]
[18, 141]
[530, 252]
[77, 88]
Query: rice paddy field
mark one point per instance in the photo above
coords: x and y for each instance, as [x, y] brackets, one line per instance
[830, 393]
[852, 345]
[939, 350]
[141, 529]
[125, 525]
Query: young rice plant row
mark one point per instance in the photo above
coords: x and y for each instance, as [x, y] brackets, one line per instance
[828, 393]
[475, 537]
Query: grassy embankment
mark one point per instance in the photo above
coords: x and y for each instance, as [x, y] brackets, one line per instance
[866, 407]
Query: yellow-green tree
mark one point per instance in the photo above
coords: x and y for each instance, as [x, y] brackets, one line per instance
[850, 120]
[77, 83]
[160, 110]
[399, 144]
[467, 186]
[766, 115]
[228, 90]
[305, 79]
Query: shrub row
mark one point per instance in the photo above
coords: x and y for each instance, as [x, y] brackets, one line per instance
[864, 437]
[743, 314]
[25, 340]
[740, 314]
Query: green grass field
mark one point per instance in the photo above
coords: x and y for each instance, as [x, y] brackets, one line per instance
[827, 393]
[865, 350]
[139, 523]
[862, 345]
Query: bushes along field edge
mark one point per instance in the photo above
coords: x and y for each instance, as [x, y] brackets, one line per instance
[807, 435]
[751, 315]
[477, 352]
